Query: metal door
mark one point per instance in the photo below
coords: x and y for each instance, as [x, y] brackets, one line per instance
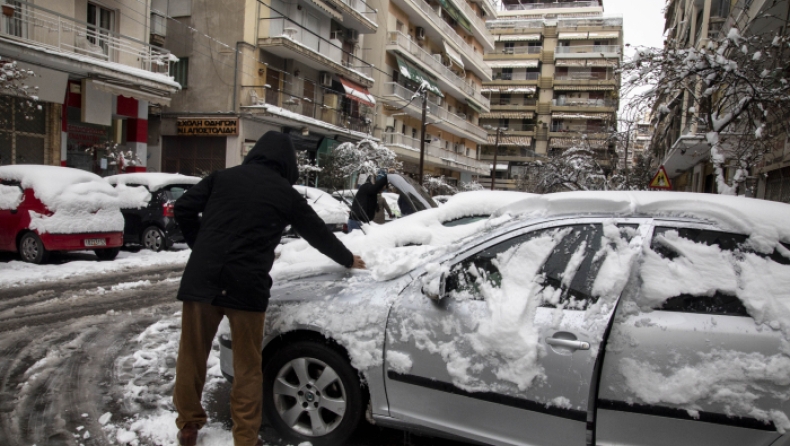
[508, 357]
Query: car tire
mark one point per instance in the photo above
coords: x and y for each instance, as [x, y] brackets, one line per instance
[31, 249]
[303, 406]
[107, 254]
[154, 239]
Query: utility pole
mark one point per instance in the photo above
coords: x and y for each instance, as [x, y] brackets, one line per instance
[424, 96]
[496, 151]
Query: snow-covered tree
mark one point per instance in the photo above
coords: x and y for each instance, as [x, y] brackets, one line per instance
[115, 155]
[13, 80]
[355, 159]
[307, 167]
[734, 92]
[472, 185]
[577, 168]
[438, 186]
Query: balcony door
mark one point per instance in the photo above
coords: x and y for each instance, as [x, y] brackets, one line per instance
[310, 30]
[101, 23]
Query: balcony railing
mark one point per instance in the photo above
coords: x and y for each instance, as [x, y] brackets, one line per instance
[579, 128]
[518, 50]
[549, 5]
[578, 102]
[53, 31]
[466, 49]
[295, 103]
[430, 60]
[516, 24]
[514, 126]
[584, 76]
[587, 49]
[437, 149]
[459, 121]
[590, 21]
[363, 9]
[517, 76]
[514, 102]
[476, 20]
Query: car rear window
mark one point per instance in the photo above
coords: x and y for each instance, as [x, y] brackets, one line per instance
[173, 193]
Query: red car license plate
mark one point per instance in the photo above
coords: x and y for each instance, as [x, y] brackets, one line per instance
[95, 242]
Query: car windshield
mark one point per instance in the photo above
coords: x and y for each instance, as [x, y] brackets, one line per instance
[411, 192]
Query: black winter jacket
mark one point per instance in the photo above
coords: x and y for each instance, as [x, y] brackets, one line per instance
[365, 201]
[245, 209]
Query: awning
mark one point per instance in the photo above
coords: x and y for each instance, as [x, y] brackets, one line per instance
[414, 74]
[507, 115]
[572, 36]
[475, 107]
[570, 63]
[583, 87]
[509, 140]
[514, 64]
[498, 167]
[597, 116]
[566, 143]
[453, 55]
[602, 63]
[131, 93]
[323, 7]
[604, 35]
[518, 90]
[522, 38]
[358, 93]
[457, 15]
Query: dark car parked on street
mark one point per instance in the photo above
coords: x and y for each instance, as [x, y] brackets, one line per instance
[153, 227]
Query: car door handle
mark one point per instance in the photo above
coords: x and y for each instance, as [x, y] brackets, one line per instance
[576, 345]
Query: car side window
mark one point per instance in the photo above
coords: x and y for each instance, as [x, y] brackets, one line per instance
[173, 193]
[719, 303]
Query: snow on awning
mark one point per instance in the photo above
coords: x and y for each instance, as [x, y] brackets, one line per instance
[514, 64]
[566, 143]
[358, 93]
[510, 141]
[602, 62]
[597, 116]
[521, 38]
[453, 55]
[416, 75]
[569, 63]
[583, 87]
[478, 109]
[130, 93]
[572, 36]
[498, 167]
[604, 35]
[517, 90]
[508, 115]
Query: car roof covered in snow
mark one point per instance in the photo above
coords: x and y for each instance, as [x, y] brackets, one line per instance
[152, 180]
[764, 221]
[329, 209]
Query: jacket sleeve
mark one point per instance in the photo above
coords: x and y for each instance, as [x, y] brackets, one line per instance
[380, 185]
[311, 228]
[188, 208]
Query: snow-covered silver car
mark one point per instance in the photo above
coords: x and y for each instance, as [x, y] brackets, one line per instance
[573, 319]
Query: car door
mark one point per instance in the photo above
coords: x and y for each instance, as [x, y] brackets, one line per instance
[686, 363]
[508, 356]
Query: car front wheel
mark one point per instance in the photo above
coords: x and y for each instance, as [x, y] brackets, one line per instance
[31, 249]
[154, 239]
[311, 393]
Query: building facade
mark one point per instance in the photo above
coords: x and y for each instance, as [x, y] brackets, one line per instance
[554, 83]
[439, 44]
[297, 67]
[95, 76]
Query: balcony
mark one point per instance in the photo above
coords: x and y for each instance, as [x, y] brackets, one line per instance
[456, 124]
[516, 50]
[516, 128]
[479, 28]
[427, 17]
[357, 15]
[580, 103]
[513, 104]
[435, 153]
[446, 78]
[612, 51]
[526, 25]
[289, 106]
[292, 41]
[590, 22]
[514, 79]
[83, 49]
[550, 5]
[564, 129]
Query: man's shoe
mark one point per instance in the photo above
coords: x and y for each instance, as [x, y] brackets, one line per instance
[188, 435]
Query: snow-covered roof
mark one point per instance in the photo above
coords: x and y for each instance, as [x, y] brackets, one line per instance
[152, 180]
[329, 209]
[764, 221]
[61, 188]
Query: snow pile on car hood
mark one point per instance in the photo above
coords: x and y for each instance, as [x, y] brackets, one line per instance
[329, 209]
[399, 246]
[80, 201]
[152, 180]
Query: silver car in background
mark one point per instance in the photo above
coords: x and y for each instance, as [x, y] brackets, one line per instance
[606, 319]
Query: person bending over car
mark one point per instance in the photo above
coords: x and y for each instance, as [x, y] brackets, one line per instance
[363, 209]
[244, 211]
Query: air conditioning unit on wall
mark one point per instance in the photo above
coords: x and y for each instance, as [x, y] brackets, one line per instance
[420, 33]
[353, 35]
[325, 78]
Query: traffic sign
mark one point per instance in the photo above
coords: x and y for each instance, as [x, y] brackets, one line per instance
[661, 180]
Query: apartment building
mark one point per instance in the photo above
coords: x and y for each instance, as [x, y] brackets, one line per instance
[554, 83]
[248, 67]
[96, 74]
[440, 43]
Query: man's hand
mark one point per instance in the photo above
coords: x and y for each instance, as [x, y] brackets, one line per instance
[358, 263]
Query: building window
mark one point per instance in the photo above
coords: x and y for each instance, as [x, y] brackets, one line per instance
[507, 74]
[180, 71]
[23, 132]
[101, 23]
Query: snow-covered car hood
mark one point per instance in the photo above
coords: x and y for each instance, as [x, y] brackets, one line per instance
[329, 209]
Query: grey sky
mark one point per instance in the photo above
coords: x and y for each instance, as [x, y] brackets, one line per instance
[643, 20]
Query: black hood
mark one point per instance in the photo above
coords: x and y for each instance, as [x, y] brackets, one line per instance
[276, 151]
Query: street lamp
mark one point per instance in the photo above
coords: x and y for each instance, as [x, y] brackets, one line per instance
[499, 131]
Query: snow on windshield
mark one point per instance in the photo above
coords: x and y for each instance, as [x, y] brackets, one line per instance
[329, 209]
[80, 201]
[152, 180]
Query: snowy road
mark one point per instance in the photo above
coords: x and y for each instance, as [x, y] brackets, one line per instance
[88, 358]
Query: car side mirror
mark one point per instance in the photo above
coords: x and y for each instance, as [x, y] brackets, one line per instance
[435, 287]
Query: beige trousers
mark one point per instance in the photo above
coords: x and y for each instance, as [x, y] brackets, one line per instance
[199, 323]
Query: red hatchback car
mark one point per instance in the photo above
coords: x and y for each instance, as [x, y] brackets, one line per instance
[49, 208]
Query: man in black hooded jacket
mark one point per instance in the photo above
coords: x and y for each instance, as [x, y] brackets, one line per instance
[244, 211]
